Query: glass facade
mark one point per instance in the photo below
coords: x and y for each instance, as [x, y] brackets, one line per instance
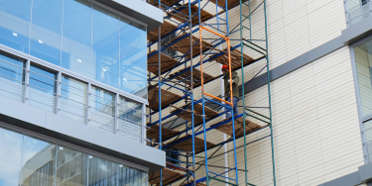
[41, 88]
[38, 163]
[363, 62]
[356, 10]
[80, 36]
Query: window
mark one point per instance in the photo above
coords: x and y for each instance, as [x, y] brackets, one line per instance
[130, 118]
[11, 77]
[73, 98]
[364, 2]
[102, 110]
[34, 162]
[79, 36]
[363, 62]
[42, 88]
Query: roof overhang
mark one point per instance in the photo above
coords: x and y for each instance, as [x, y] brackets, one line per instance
[137, 9]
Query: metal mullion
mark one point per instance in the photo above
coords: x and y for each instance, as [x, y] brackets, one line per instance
[116, 113]
[26, 81]
[58, 92]
[88, 105]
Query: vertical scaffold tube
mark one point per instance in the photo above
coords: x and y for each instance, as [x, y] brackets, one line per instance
[269, 94]
[159, 98]
[243, 95]
[192, 97]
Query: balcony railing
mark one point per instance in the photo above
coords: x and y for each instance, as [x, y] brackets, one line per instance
[52, 89]
[356, 10]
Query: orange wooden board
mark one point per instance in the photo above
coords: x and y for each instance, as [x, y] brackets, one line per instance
[167, 63]
[186, 145]
[235, 59]
[167, 98]
[153, 133]
[169, 176]
[239, 130]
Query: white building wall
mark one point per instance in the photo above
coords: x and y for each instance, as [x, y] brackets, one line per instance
[316, 126]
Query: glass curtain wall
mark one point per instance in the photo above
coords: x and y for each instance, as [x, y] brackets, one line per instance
[71, 98]
[363, 61]
[37, 163]
[81, 36]
[356, 10]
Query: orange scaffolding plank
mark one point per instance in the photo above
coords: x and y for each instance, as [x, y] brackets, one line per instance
[167, 98]
[196, 77]
[239, 128]
[186, 145]
[169, 176]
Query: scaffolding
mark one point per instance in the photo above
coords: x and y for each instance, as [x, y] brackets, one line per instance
[187, 106]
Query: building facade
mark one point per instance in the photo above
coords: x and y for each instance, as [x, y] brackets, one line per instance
[74, 92]
[320, 54]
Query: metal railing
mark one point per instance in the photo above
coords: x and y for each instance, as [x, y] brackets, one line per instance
[25, 80]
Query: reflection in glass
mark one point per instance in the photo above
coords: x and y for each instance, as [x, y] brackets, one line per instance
[106, 47]
[133, 60]
[79, 36]
[363, 61]
[102, 112]
[14, 23]
[45, 34]
[130, 118]
[73, 98]
[10, 166]
[70, 167]
[37, 163]
[77, 48]
[11, 77]
[42, 88]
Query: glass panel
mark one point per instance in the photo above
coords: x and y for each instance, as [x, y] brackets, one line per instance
[363, 59]
[102, 112]
[11, 77]
[77, 48]
[45, 33]
[133, 60]
[14, 23]
[357, 10]
[42, 88]
[37, 163]
[10, 166]
[102, 172]
[73, 98]
[71, 167]
[130, 118]
[106, 47]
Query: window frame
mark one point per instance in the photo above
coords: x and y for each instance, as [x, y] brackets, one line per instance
[362, 119]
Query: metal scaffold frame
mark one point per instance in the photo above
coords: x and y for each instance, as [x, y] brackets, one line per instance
[175, 64]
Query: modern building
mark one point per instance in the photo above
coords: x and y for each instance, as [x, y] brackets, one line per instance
[129, 92]
[313, 92]
[73, 86]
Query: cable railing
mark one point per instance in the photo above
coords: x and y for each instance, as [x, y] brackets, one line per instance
[55, 91]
